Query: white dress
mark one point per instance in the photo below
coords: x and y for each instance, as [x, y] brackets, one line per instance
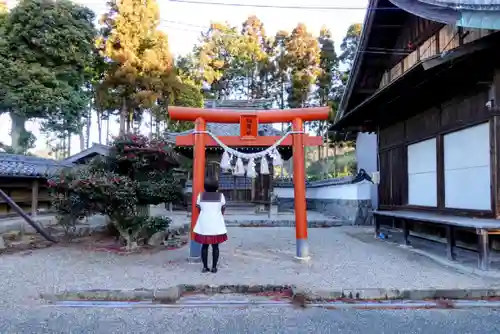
[210, 221]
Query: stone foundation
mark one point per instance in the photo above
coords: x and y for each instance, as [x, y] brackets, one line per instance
[351, 212]
[346, 199]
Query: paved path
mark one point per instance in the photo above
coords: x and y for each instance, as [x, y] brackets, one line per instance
[258, 321]
[251, 256]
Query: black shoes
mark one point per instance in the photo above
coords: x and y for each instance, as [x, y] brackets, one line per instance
[206, 270]
[214, 270]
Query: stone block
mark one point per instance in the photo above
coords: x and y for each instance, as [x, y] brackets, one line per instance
[167, 296]
[12, 235]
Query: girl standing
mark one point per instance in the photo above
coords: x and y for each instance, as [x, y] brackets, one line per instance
[210, 227]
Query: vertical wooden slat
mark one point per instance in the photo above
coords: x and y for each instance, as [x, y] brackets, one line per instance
[34, 198]
[495, 146]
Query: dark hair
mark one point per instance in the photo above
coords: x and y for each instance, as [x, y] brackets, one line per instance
[211, 185]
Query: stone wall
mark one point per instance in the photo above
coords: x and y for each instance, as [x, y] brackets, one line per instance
[341, 198]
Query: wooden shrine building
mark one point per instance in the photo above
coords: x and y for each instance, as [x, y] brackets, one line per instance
[24, 179]
[431, 92]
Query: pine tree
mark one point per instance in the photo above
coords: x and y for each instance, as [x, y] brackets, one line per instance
[302, 52]
[349, 48]
[139, 71]
[255, 57]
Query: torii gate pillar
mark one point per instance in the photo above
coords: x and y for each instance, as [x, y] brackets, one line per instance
[299, 179]
[198, 184]
[249, 124]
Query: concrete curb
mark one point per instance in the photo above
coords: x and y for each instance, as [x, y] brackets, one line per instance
[167, 295]
[282, 223]
[298, 296]
[372, 294]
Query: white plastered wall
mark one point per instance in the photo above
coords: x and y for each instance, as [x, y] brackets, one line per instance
[422, 173]
[467, 173]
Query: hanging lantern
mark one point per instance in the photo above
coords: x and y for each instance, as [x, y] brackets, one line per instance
[264, 166]
[251, 173]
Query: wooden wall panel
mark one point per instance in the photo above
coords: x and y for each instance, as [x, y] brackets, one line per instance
[464, 111]
[422, 125]
[457, 113]
[392, 136]
[393, 176]
[384, 188]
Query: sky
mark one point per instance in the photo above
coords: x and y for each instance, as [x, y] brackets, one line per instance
[183, 23]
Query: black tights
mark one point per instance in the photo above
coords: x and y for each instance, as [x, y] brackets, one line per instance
[215, 255]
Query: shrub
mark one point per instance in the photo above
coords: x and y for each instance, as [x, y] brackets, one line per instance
[137, 173]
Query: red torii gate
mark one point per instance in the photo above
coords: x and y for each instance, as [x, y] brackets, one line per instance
[249, 121]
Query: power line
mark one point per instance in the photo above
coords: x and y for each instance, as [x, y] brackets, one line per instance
[185, 24]
[198, 2]
[371, 50]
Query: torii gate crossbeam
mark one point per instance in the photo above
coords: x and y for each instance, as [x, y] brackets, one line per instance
[249, 121]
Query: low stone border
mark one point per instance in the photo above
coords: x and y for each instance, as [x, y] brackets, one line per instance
[297, 296]
[281, 223]
[167, 295]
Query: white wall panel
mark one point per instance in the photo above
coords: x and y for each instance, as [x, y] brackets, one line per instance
[467, 173]
[422, 177]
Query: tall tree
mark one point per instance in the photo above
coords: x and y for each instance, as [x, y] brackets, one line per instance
[217, 54]
[349, 48]
[328, 65]
[326, 84]
[139, 72]
[303, 56]
[254, 58]
[45, 49]
[279, 68]
[3, 11]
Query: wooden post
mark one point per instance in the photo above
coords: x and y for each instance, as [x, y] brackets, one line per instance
[299, 177]
[34, 198]
[198, 185]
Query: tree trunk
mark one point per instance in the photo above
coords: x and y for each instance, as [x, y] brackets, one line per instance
[123, 117]
[17, 132]
[99, 126]
[143, 210]
[157, 125]
[89, 126]
[107, 130]
[68, 152]
[81, 137]
[334, 160]
[151, 125]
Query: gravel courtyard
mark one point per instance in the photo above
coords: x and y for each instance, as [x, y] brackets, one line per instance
[251, 256]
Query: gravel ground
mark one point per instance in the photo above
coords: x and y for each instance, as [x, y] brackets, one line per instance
[251, 256]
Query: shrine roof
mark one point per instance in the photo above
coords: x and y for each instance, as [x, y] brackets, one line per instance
[16, 165]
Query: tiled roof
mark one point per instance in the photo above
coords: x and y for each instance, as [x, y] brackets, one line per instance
[28, 166]
[239, 104]
[95, 149]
